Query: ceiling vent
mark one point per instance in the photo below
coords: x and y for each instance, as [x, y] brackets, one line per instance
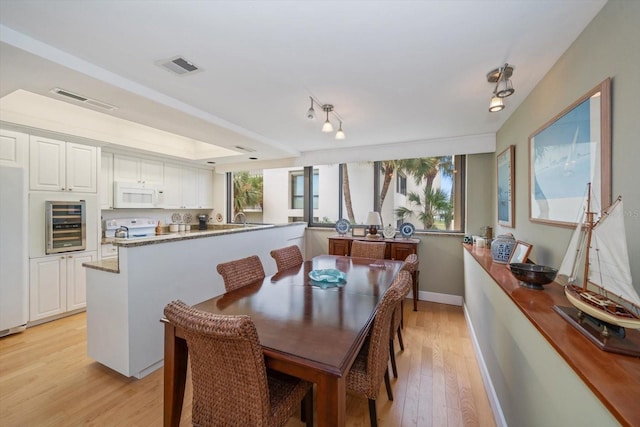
[180, 66]
[83, 99]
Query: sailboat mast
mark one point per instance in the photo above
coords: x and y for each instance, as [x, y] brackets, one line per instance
[589, 225]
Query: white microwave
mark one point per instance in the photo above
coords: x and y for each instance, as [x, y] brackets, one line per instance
[135, 195]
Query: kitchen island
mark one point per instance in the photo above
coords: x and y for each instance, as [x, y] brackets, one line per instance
[125, 299]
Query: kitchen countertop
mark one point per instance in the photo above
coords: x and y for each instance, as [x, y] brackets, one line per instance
[111, 264]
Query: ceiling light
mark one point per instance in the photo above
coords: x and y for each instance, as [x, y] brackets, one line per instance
[496, 104]
[311, 113]
[327, 126]
[503, 88]
[340, 133]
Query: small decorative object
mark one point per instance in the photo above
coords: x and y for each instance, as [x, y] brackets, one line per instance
[358, 231]
[389, 232]
[520, 252]
[533, 276]
[407, 229]
[219, 217]
[176, 217]
[467, 239]
[342, 226]
[501, 248]
[330, 275]
[187, 218]
[373, 221]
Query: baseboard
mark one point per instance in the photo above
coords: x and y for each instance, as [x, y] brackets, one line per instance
[439, 298]
[484, 372]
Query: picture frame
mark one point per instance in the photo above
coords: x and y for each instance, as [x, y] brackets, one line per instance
[568, 152]
[506, 184]
[520, 252]
[358, 231]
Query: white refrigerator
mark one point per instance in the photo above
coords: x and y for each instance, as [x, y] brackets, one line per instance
[14, 256]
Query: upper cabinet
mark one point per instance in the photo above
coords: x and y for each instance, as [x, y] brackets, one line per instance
[187, 188]
[106, 181]
[132, 169]
[13, 148]
[62, 166]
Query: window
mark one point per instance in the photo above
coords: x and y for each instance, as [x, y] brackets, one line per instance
[297, 189]
[401, 184]
[427, 192]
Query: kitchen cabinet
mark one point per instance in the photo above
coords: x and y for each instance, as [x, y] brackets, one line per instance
[187, 188]
[57, 284]
[13, 148]
[134, 169]
[56, 165]
[106, 181]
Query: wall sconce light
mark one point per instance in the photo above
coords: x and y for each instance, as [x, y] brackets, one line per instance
[503, 88]
[327, 126]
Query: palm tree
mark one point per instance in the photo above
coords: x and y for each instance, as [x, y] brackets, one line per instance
[247, 191]
[430, 205]
[346, 191]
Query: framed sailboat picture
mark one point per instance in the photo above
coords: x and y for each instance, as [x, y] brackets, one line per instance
[569, 151]
[506, 202]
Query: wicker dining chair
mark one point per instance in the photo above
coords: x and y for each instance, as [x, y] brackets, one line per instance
[364, 249]
[371, 364]
[410, 265]
[241, 272]
[287, 257]
[231, 385]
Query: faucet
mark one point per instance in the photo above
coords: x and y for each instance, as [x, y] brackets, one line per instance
[244, 223]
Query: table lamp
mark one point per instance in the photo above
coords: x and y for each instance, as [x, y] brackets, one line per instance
[373, 220]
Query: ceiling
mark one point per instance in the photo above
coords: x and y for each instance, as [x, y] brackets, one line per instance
[402, 75]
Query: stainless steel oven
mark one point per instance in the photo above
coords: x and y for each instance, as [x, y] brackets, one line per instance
[65, 226]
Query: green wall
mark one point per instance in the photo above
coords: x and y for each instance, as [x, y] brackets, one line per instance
[608, 47]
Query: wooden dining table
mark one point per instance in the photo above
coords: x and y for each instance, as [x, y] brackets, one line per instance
[310, 330]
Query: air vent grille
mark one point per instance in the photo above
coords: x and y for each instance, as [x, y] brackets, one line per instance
[180, 66]
[83, 99]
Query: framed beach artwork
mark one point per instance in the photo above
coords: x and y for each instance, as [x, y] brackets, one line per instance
[506, 201]
[570, 151]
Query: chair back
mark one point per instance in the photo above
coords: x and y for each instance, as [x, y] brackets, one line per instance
[364, 249]
[378, 356]
[410, 263]
[287, 257]
[241, 272]
[227, 366]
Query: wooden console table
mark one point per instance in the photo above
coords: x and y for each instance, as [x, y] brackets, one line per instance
[396, 249]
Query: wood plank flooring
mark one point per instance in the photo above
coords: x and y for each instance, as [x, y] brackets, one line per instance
[46, 379]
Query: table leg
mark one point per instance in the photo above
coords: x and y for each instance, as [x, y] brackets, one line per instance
[175, 375]
[416, 277]
[331, 401]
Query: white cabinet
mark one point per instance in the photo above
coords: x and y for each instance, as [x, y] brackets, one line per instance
[57, 284]
[106, 181]
[13, 148]
[133, 169]
[62, 166]
[205, 189]
[187, 188]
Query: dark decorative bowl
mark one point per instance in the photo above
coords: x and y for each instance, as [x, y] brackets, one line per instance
[533, 276]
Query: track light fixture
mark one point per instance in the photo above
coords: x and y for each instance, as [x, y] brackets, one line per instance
[327, 126]
[503, 88]
[311, 113]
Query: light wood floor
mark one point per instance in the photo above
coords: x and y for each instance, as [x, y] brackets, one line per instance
[46, 379]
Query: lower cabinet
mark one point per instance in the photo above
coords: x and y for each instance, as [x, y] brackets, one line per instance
[57, 284]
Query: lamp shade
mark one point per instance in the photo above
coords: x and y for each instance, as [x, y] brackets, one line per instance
[373, 218]
[327, 126]
[505, 88]
[496, 104]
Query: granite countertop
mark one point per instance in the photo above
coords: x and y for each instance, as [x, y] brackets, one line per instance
[110, 265]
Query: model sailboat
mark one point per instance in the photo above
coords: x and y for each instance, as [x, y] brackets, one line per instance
[606, 292]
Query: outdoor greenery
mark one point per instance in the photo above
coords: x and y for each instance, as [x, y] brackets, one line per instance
[247, 191]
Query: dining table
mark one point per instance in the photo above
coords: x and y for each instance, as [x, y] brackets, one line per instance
[307, 328]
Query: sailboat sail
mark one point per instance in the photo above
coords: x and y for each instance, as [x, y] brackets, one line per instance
[574, 254]
[609, 266]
